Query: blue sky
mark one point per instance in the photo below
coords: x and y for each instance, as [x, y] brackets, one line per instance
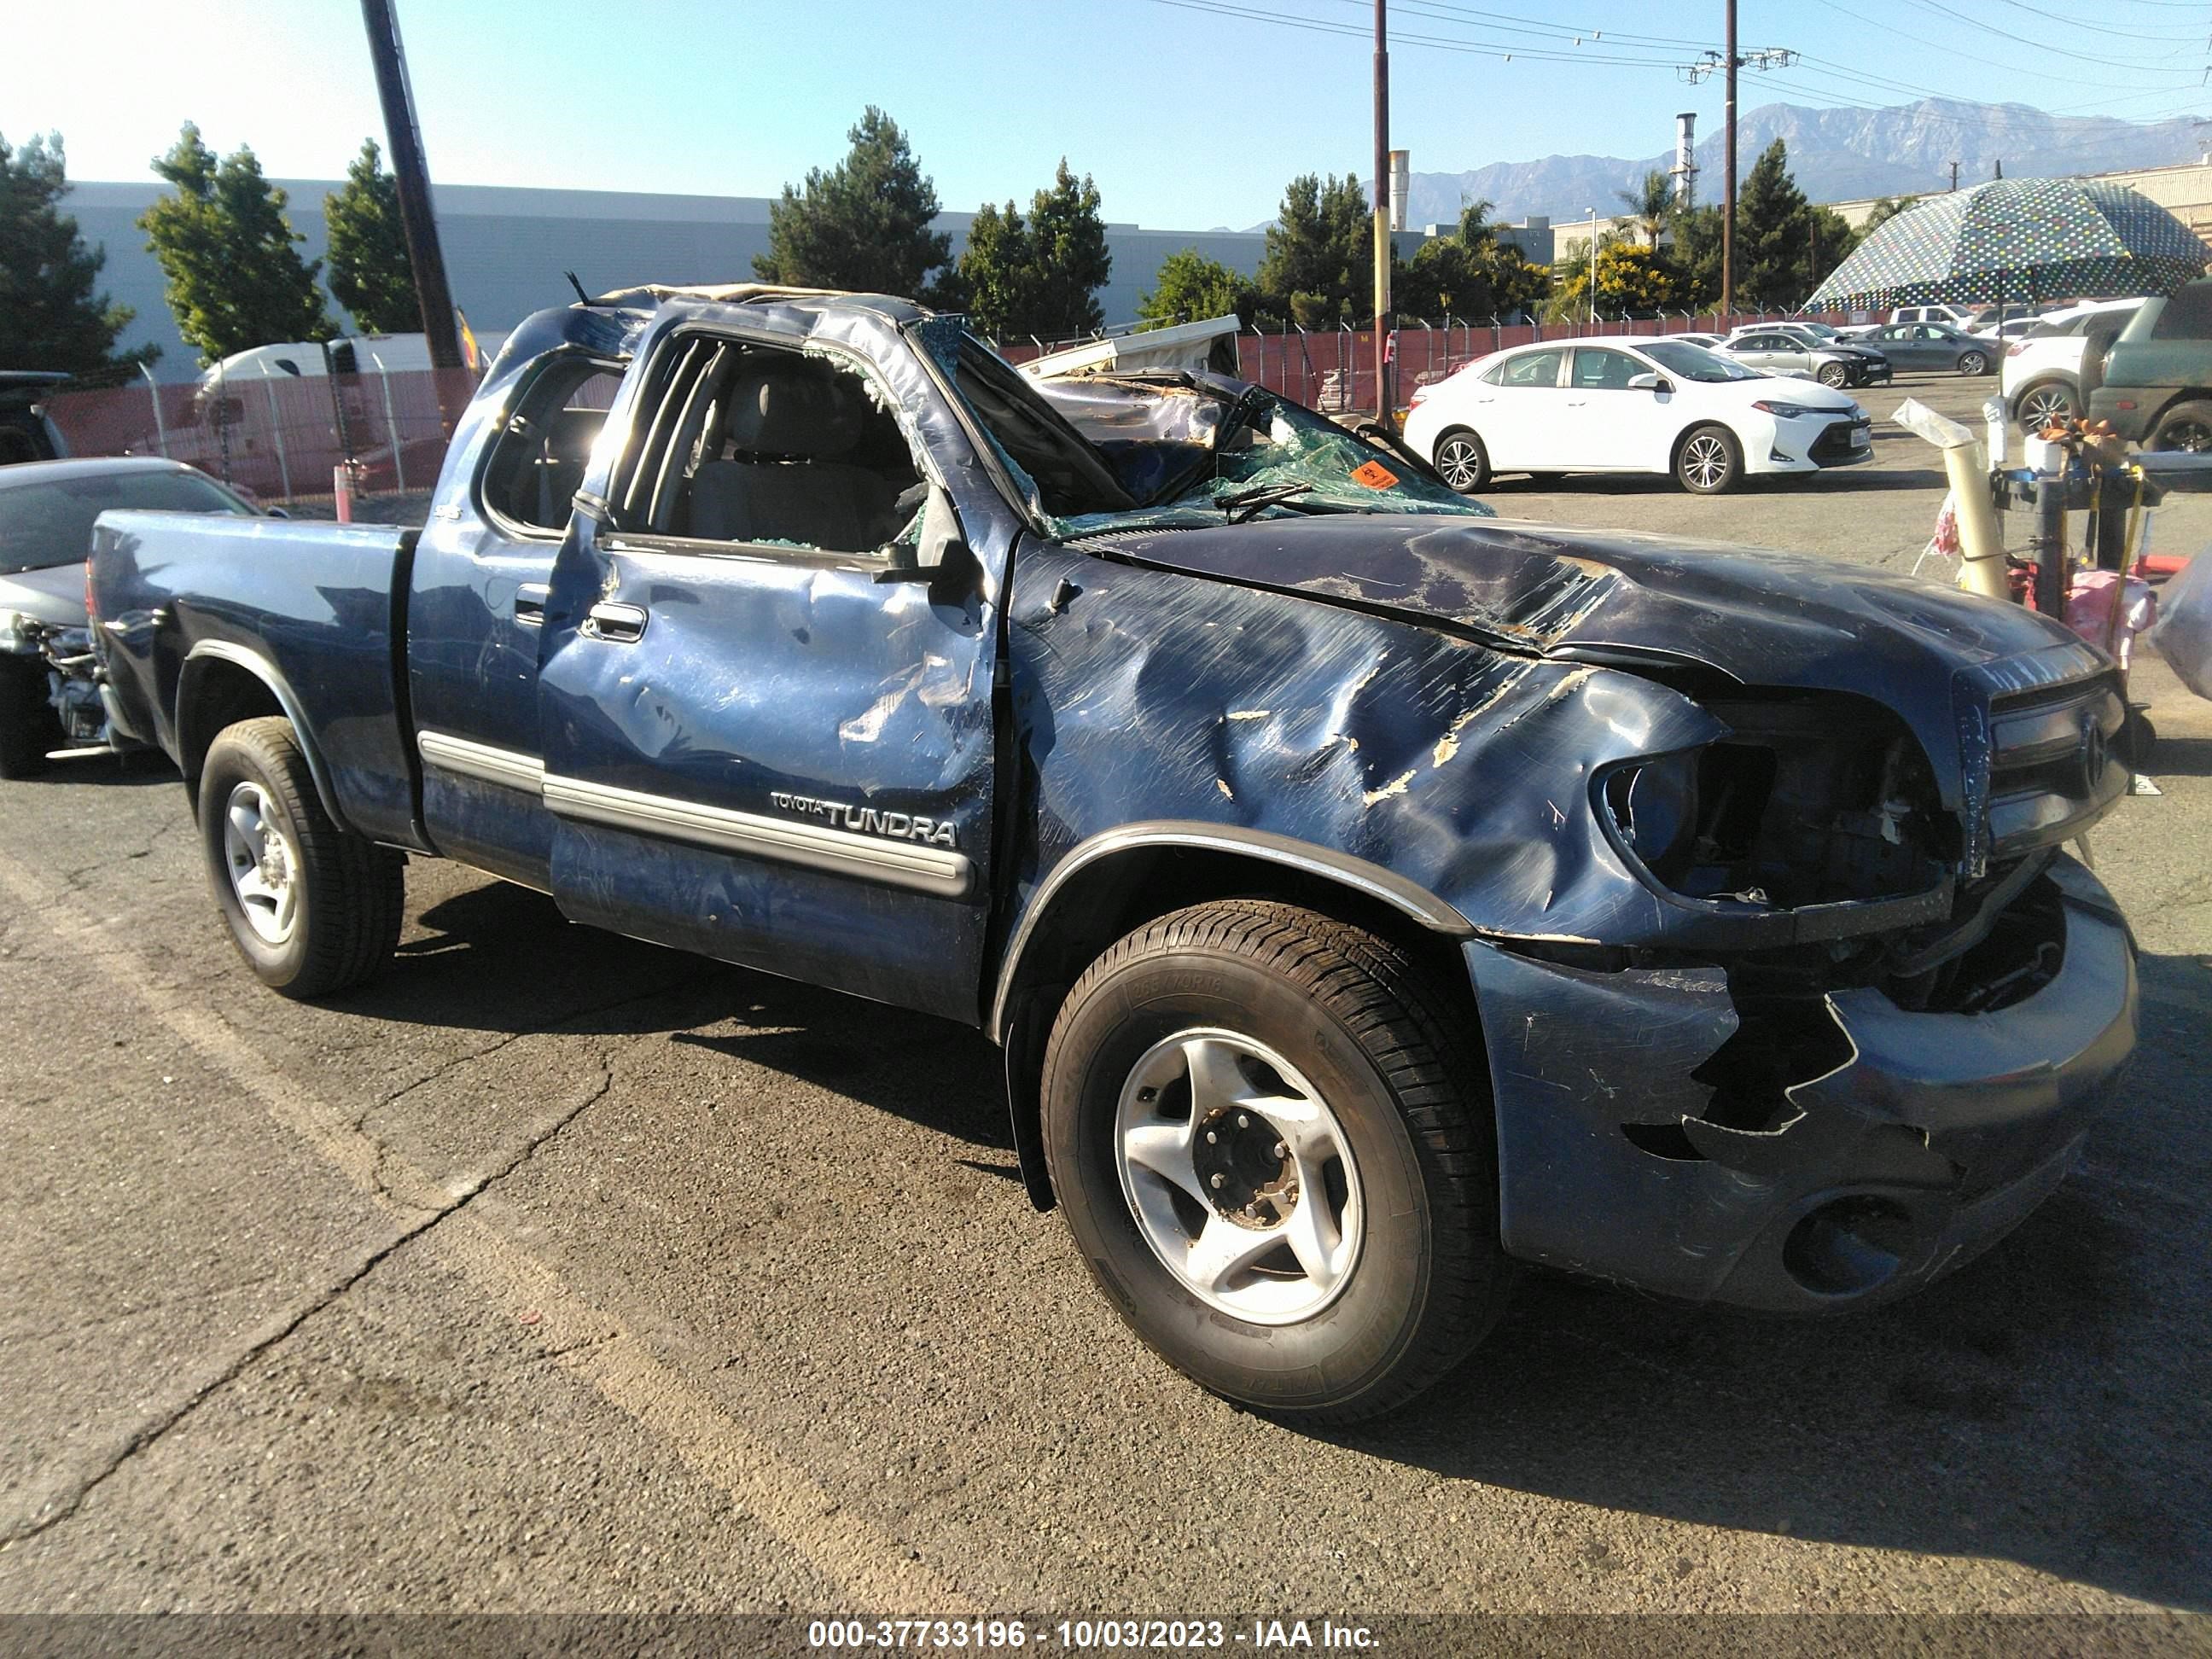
[1188, 117]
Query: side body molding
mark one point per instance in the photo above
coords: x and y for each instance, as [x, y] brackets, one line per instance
[1371, 880]
[261, 668]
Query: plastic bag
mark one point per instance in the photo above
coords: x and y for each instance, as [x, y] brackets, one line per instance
[2183, 634]
[2089, 611]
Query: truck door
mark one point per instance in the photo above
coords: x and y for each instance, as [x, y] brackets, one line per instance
[757, 746]
[476, 612]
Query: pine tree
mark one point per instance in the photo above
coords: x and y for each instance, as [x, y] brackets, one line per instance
[1772, 234]
[51, 315]
[1318, 269]
[235, 277]
[1071, 263]
[371, 275]
[863, 224]
[996, 272]
[1190, 287]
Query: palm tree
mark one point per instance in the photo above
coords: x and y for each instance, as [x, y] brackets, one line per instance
[1475, 229]
[1651, 204]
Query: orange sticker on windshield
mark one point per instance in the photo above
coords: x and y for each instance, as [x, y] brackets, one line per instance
[1375, 476]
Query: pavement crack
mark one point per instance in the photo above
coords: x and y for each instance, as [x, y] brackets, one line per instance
[57, 1509]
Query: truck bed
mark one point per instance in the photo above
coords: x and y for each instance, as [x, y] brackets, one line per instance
[312, 611]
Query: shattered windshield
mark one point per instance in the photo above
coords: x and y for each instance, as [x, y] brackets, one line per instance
[1192, 453]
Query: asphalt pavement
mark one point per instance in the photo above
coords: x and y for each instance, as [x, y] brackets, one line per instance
[557, 1272]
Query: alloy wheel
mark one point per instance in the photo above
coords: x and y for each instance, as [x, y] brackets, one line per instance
[2043, 405]
[1459, 463]
[1239, 1176]
[262, 863]
[1706, 460]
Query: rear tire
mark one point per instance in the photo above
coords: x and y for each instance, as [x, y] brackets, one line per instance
[312, 908]
[1462, 461]
[1973, 362]
[1709, 461]
[28, 724]
[1324, 1037]
[2186, 427]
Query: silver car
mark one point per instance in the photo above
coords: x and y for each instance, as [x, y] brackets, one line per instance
[1935, 345]
[1773, 350]
[46, 510]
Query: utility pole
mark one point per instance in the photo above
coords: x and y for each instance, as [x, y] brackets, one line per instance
[1729, 60]
[1954, 175]
[1727, 178]
[418, 219]
[1382, 219]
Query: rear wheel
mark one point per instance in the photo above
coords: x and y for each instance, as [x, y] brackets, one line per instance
[28, 725]
[1462, 461]
[1973, 362]
[1271, 1137]
[312, 908]
[2039, 406]
[2186, 427]
[1709, 461]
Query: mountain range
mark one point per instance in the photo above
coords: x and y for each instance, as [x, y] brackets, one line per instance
[1835, 155]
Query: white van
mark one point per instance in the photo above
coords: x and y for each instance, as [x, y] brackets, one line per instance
[304, 359]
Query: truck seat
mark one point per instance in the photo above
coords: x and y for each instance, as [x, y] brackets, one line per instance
[788, 428]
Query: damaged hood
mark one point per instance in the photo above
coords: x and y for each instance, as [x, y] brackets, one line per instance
[1631, 601]
[53, 594]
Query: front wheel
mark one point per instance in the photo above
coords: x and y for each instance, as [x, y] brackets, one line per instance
[1462, 462]
[1709, 461]
[1271, 1137]
[1973, 362]
[312, 908]
[1833, 375]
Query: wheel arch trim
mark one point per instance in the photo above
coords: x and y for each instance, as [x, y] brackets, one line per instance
[1371, 880]
[240, 656]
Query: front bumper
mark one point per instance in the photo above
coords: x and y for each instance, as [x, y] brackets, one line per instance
[1929, 1140]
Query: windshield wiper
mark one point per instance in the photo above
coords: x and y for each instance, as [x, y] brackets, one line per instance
[1247, 504]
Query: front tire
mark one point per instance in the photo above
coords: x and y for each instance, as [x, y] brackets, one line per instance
[1271, 1137]
[1709, 461]
[312, 908]
[1462, 461]
[28, 725]
[1834, 375]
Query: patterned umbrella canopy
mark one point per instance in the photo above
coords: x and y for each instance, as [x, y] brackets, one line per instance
[2018, 239]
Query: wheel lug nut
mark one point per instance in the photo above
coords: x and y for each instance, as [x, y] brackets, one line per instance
[1242, 1121]
[1148, 1094]
[1281, 1149]
[1210, 1138]
[1218, 1181]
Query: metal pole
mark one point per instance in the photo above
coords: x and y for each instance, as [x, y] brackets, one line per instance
[392, 425]
[2050, 543]
[1728, 176]
[1382, 412]
[418, 219]
[154, 395]
[1593, 277]
[276, 431]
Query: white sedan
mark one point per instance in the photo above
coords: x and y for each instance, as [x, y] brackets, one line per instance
[1618, 405]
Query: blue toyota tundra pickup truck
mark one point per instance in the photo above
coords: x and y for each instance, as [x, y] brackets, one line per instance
[1367, 894]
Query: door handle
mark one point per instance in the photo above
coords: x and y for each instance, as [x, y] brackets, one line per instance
[623, 623]
[530, 603]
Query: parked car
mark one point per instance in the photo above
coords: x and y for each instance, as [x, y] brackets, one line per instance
[2155, 387]
[1932, 345]
[1708, 341]
[1367, 894]
[1773, 349]
[1957, 316]
[2047, 373]
[1874, 365]
[46, 513]
[1622, 405]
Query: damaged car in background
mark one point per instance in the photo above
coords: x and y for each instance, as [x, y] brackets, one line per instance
[1368, 894]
